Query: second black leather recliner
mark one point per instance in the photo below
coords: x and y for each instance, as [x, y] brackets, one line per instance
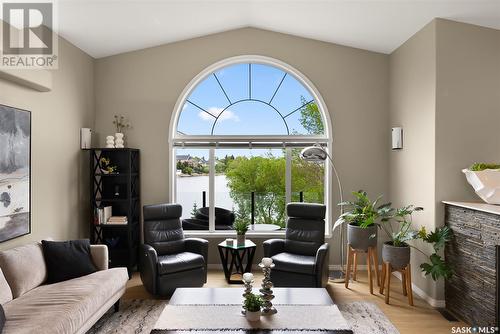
[301, 259]
[167, 259]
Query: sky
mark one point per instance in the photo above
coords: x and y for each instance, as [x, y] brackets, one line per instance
[208, 100]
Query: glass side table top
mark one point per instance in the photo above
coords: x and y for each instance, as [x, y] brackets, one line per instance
[248, 244]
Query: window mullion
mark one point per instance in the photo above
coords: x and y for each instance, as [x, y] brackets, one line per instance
[211, 190]
[288, 175]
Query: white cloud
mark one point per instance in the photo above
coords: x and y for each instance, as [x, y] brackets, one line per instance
[226, 115]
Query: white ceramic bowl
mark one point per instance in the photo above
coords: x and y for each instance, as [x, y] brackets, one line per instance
[486, 184]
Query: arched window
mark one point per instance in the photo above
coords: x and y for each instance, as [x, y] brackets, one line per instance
[236, 134]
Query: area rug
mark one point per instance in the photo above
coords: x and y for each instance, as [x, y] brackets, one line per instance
[139, 316]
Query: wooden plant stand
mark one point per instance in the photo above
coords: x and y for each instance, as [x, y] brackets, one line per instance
[405, 280]
[352, 260]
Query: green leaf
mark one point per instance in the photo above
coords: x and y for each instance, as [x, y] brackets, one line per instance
[437, 268]
[439, 237]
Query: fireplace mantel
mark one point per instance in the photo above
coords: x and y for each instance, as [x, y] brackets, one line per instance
[472, 294]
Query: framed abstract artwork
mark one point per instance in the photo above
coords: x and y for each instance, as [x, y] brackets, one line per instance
[15, 172]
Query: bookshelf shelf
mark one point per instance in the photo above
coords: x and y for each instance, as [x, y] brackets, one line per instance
[121, 191]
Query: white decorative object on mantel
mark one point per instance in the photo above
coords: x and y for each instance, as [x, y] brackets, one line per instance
[486, 184]
[110, 142]
[119, 142]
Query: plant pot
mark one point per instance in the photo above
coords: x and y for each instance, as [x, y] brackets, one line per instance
[252, 316]
[240, 239]
[486, 184]
[360, 238]
[398, 257]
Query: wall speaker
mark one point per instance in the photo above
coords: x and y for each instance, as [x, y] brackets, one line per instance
[397, 138]
[85, 138]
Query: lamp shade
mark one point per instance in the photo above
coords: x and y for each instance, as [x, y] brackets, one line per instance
[313, 153]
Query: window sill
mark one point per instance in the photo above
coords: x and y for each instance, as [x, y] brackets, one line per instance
[225, 234]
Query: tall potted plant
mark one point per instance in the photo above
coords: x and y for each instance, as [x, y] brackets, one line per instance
[397, 250]
[241, 228]
[361, 217]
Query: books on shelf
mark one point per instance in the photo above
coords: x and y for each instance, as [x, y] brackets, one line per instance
[117, 220]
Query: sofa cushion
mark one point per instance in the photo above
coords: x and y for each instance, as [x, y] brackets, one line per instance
[173, 263]
[5, 291]
[294, 263]
[67, 259]
[24, 268]
[66, 306]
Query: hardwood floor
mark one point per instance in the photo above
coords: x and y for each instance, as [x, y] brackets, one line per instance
[418, 319]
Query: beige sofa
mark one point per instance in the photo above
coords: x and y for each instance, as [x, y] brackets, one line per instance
[71, 306]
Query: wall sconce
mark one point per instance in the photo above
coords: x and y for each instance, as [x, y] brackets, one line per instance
[85, 138]
[397, 138]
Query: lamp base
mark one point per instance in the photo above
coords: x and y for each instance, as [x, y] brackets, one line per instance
[336, 276]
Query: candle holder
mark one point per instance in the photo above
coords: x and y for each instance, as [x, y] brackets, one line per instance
[266, 292]
[247, 291]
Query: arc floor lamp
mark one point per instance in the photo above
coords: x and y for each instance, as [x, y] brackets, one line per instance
[317, 153]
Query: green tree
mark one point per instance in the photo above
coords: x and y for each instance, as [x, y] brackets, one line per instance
[310, 118]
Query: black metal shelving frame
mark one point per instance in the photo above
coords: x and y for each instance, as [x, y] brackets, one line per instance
[122, 240]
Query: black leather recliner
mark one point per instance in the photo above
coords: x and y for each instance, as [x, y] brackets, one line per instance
[167, 259]
[301, 259]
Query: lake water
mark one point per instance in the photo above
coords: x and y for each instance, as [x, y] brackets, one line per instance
[190, 189]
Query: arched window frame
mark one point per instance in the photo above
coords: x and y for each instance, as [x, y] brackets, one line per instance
[177, 139]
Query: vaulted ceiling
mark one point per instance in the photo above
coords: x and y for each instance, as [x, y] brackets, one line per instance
[108, 27]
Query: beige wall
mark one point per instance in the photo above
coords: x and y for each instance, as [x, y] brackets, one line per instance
[144, 85]
[468, 105]
[412, 106]
[445, 93]
[59, 176]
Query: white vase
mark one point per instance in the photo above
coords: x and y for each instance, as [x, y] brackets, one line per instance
[110, 142]
[119, 141]
[252, 316]
[486, 184]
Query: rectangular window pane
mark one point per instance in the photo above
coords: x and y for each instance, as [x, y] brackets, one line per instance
[308, 179]
[241, 172]
[192, 169]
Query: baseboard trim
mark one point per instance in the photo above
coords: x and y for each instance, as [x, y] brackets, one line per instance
[437, 303]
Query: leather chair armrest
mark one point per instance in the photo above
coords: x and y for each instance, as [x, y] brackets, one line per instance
[273, 247]
[148, 262]
[99, 254]
[198, 246]
[321, 265]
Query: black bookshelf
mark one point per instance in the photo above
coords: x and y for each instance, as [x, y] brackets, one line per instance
[121, 191]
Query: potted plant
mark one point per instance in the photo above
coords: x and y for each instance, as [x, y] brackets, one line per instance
[253, 304]
[397, 250]
[241, 228]
[121, 124]
[361, 217]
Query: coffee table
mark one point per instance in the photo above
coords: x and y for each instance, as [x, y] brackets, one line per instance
[301, 297]
[217, 296]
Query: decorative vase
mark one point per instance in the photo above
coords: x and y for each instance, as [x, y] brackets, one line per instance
[252, 316]
[119, 142]
[240, 240]
[486, 184]
[110, 142]
[398, 257]
[361, 238]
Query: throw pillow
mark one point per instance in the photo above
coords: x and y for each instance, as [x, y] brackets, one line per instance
[67, 259]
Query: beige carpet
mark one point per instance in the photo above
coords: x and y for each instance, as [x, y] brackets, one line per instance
[139, 316]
